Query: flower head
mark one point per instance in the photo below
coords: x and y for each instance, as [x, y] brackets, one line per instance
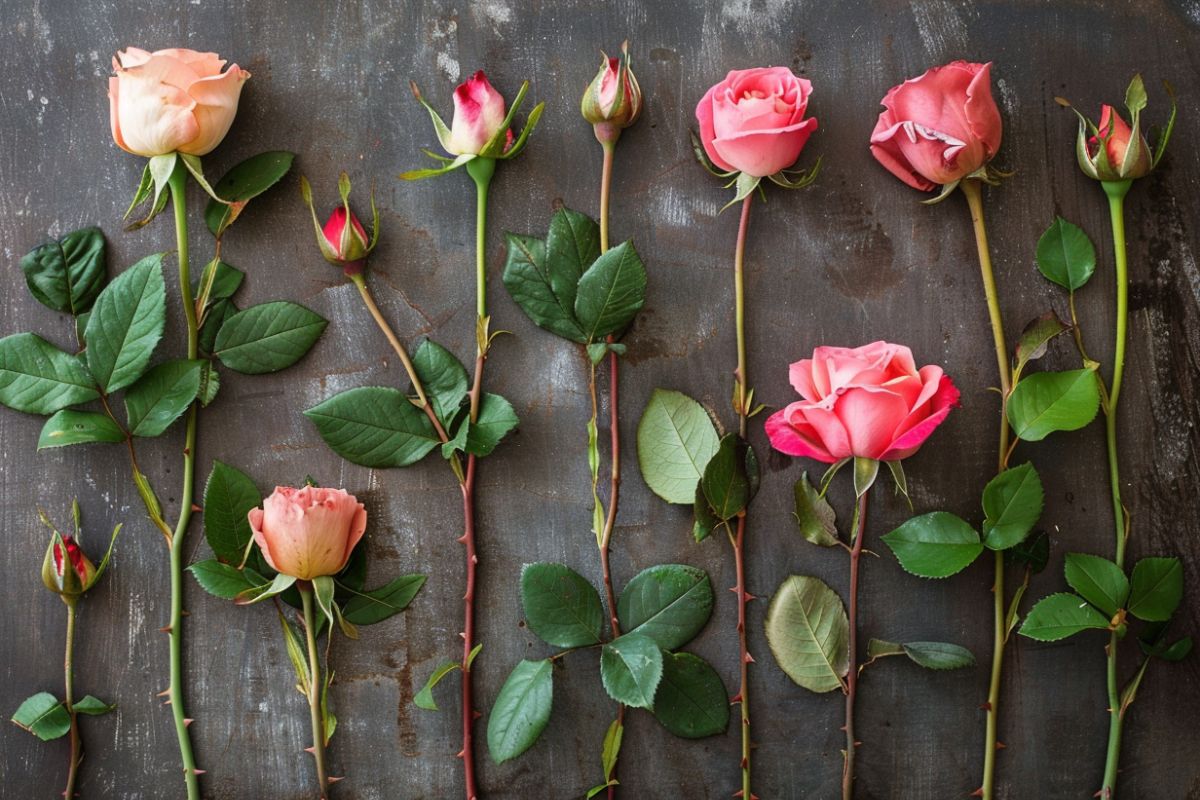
[343, 240]
[613, 100]
[1116, 150]
[308, 532]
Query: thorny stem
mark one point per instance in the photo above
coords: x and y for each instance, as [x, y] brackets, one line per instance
[314, 691]
[69, 698]
[971, 188]
[178, 186]
[860, 524]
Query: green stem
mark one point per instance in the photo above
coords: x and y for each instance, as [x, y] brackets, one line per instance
[481, 171]
[314, 691]
[739, 312]
[178, 185]
[69, 697]
[1116, 191]
[974, 195]
[860, 527]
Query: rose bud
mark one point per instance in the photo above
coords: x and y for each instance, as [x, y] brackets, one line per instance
[172, 100]
[1114, 150]
[753, 121]
[66, 570]
[613, 100]
[478, 116]
[343, 239]
[939, 128]
[863, 402]
[308, 532]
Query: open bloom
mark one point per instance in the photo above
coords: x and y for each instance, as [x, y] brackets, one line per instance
[753, 121]
[938, 128]
[478, 116]
[863, 402]
[308, 532]
[172, 100]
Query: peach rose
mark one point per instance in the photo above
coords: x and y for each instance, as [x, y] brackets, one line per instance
[865, 402]
[172, 100]
[308, 532]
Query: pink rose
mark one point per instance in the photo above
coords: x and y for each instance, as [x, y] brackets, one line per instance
[753, 121]
[866, 402]
[478, 115]
[940, 127]
[172, 100]
[349, 242]
[1118, 138]
[308, 532]
[613, 98]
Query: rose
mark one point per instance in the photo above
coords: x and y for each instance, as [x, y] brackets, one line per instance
[478, 116]
[1124, 156]
[172, 100]
[308, 532]
[349, 242]
[865, 402]
[613, 100]
[65, 569]
[753, 121]
[939, 128]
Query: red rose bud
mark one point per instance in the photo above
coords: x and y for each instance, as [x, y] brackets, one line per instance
[66, 570]
[343, 240]
[1116, 150]
[613, 100]
[349, 241]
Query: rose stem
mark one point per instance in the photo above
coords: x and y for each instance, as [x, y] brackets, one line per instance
[610, 519]
[69, 695]
[739, 560]
[178, 186]
[971, 188]
[1116, 191]
[481, 171]
[314, 689]
[860, 524]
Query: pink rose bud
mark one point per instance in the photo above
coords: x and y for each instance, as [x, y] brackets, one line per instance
[308, 532]
[478, 116]
[613, 100]
[343, 240]
[1114, 153]
[173, 100]
[939, 128]
[863, 402]
[349, 241]
[65, 569]
[753, 121]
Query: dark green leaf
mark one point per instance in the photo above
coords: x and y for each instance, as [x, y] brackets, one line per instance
[374, 426]
[1034, 552]
[1065, 255]
[43, 716]
[69, 427]
[126, 323]
[669, 603]
[218, 313]
[1012, 504]
[66, 275]
[1058, 616]
[38, 378]
[496, 419]
[676, 439]
[611, 292]
[244, 182]
[939, 655]
[724, 482]
[444, 378]
[229, 496]
[809, 633]
[92, 706]
[1097, 580]
[814, 515]
[368, 608]
[691, 701]
[521, 711]
[1177, 651]
[161, 395]
[1046, 402]
[1037, 335]
[222, 580]
[534, 288]
[1157, 588]
[227, 280]
[268, 337]
[934, 545]
[561, 607]
[572, 245]
[879, 648]
[631, 667]
[703, 520]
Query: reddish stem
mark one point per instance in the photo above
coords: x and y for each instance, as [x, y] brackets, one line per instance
[611, 519]
[469, 714]
[744, 659]
[852, 673]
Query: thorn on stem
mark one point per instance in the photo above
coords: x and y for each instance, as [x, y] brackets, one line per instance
[163, 693]
[749, 659]
[977, 793]
[986, 707]
[187, 722]
[748, 597]
[737, 698]
[459, 754]
[196, 771]
[196, 509]
[476, 715]
[310, 750]
[1000, 745]
[165, 629]
[335, 779]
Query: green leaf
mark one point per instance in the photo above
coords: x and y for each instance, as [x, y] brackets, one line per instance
[444, 378]
[561, 607]
[1065, 255]
[218, 313]
[611, 292]
[611, 748]
[67, 274]
[572, 246]
[161, 395]
[69, 427]
[38, 378]
[704, 522]
[939, 655]
[676, 438]
[1046, 402]
[229, 496]
[934, 545]
[814, 515]
[222, 580]
[631, 667]
[226, 281]
[809, 633]
[1037, 336]
[376, 605]
[1060, 615]
[879, 648]
[241, 184]
[268, 337]
[1034, 552]
[1012, 505]
[1157, 588]
[92, 706]
[126, 323]
[668, 603]
[496, 419]
[43, 716]
[1097, 580]
[210, 383]
[724, 482]
[424, 698]
[521, 711]
[691, 701]
[547, 297]
[374, 426]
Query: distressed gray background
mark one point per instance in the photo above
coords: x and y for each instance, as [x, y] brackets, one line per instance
[852, 259]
